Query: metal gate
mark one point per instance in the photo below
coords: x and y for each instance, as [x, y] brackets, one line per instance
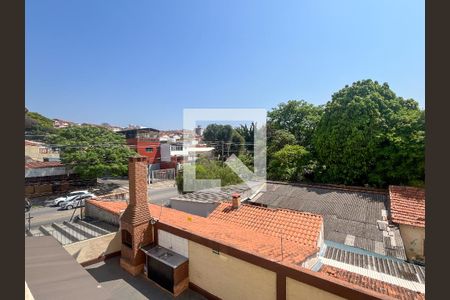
[162, 174]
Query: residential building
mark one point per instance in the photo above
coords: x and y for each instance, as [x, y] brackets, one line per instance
[58, 123]
[48, 177]
[40, 152]
[174, 154]
[145, 141]
[407, 209]
[242, 251]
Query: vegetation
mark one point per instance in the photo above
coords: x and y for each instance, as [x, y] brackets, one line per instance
[225, 139]
[210, 169]
[300, 118]
[291, 163]
[92, 151]
[368, 135]
[38, 125]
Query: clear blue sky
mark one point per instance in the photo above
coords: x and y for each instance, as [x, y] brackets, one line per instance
[142, 62]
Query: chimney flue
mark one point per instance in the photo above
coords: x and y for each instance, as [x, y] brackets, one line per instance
[236, 200]
[137, 180]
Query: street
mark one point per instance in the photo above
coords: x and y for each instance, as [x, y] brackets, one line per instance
[44, 215]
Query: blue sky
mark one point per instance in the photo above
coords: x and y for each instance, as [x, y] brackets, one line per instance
[142, 62]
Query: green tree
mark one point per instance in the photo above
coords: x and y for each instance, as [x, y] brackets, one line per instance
[38, 125]
[291, 163]
[277, 139]
[92, 151]
[298, 117]
[209, 169]
[368, 135]
[224, 137]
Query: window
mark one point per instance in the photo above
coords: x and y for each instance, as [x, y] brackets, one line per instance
[127, 239]
[149, 149]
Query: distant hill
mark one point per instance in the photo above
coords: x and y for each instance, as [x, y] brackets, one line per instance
[37, 126]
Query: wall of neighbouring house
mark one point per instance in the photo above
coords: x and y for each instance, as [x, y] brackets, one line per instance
[202, 209]
[228, 277]
[413, 239]
[101, 214]
[299, 290]
[44, 172]
[40, 152]
[94, 248]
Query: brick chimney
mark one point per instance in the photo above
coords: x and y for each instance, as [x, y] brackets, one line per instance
[236, 200]
[134, 222]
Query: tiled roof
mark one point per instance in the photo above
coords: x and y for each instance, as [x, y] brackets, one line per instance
[407, 205]
[350, 214]
[32, 143]
[42, 164]
[298, 227]
[372, 284]
[258, 243]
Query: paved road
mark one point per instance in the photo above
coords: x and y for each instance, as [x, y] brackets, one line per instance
[47, 215]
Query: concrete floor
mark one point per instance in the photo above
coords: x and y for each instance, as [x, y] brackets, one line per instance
[122, 285]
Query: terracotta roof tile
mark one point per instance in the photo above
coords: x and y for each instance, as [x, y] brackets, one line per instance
[407, 205]
[371, 284]
[233, 235]
[295, 226]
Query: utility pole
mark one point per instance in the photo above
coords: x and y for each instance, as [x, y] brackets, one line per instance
[222, 153]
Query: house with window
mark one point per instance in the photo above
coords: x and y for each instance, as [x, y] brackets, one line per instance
[407, 209]
[40, 152]
[145, 141]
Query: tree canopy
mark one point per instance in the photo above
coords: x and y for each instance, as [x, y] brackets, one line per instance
[289, 163]
[210, 169]
[297, 117]
[92, 151]
[368, 135]
[225, 136]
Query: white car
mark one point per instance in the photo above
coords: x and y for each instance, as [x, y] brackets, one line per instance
[68, 197]
[78, 201]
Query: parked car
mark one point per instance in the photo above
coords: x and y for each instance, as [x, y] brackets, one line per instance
[77, 201]
[27, 205]
[68, 197]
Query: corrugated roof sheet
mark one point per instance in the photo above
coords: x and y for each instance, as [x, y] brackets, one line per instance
[346, 212]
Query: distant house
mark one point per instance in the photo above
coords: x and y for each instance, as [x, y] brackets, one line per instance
[407, 208]
[58, 123]
[145, 141]
[40, 152]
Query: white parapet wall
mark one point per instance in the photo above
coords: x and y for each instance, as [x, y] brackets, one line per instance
[91, 249]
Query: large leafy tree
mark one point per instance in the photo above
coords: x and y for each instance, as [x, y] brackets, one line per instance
[277, 139]
[291, 163]
[368, 135]
[224, 138]
[92, 151]
[298, 117]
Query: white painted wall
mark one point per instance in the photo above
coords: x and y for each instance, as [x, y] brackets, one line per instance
[175, 243]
